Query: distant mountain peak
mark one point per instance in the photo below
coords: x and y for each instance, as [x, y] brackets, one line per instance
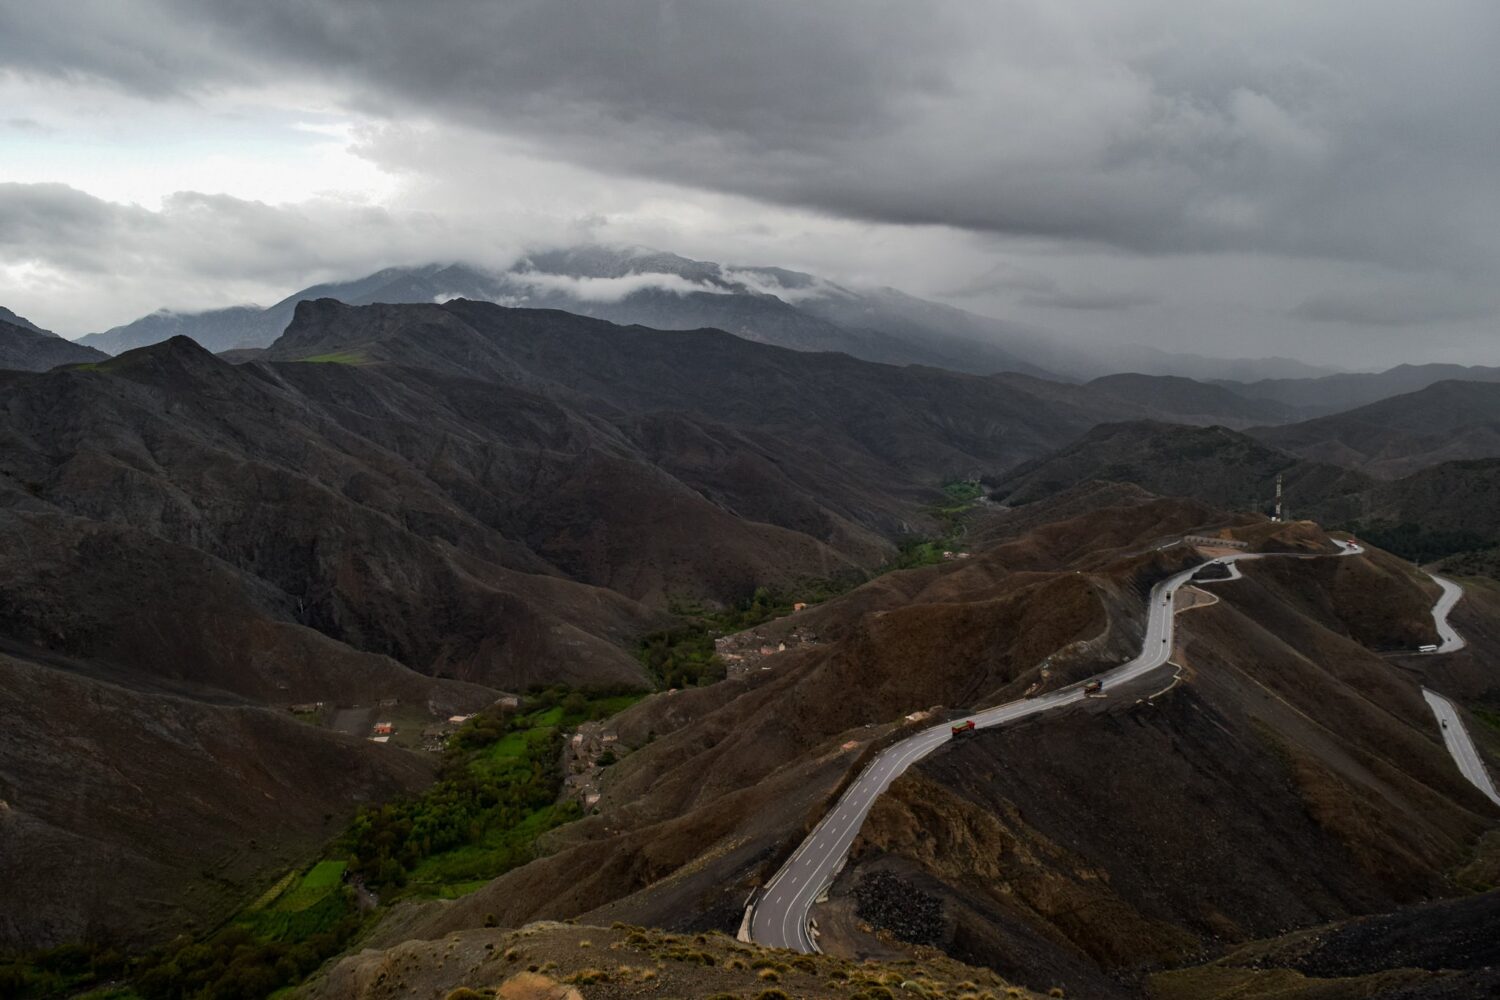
[28, 348]
[6, 316]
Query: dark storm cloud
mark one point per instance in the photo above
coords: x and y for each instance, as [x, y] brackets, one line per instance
[213, 237]
[1105, 301]
[1351, 130]
[1269, 177]
[1388, 309]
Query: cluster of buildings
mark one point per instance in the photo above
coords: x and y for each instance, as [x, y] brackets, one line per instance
[585, 755]
[744, 651]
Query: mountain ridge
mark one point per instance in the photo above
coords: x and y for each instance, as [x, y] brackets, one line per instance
[27, 347]
[668, 291]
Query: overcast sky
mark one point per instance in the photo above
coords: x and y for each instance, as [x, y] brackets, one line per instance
[1312, 179]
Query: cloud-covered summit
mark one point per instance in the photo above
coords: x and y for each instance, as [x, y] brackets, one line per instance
[1289, 155]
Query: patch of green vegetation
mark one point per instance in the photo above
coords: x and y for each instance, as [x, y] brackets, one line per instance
[962, 495]
[272, 894]
[495, 795]
[683, 656]
[1489, 716]
[323, 875]
[963, 491]
[63, 971]
[914, 552]
[335, 358]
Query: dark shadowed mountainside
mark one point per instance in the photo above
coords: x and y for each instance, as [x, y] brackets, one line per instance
[1345, 391]
[407, 506]
[6, 316]
[1213, 464]
[117, 799]
[1187, 401]
[1432, 513]
[1394, 437]
[27, 348]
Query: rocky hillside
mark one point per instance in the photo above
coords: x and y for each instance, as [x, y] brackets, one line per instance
[1187, 401]
[1436, 951]
[1430, 514]
[1290, 777]
[417, 506]
[134, 809]
[1332, 393]
[1213, 464]
[1446, 421]
[552, 961]
[26, 347]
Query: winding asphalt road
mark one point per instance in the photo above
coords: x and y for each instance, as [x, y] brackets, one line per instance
[779, 913]
[1450, 640]
[1460, 746]
[1455, 734]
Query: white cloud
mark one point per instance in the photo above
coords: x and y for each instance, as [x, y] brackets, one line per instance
[611, 289]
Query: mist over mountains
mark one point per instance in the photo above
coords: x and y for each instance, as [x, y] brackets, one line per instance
[415, 509]
[666, 291]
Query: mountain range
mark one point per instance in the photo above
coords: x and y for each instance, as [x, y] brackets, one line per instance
[636, 285]
[224, 568]
[26, 346]
[419, 504]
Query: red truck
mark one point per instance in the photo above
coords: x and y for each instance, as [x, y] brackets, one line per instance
[965, 729]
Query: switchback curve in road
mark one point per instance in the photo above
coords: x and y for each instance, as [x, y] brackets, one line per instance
[1456, 738]
[780, 912]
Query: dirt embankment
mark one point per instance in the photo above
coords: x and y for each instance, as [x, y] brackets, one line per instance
[551, 961]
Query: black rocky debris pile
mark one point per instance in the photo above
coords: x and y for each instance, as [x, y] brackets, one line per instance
[893, 904]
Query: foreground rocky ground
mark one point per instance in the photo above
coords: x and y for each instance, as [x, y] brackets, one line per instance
[555, 961]
[1448, 950]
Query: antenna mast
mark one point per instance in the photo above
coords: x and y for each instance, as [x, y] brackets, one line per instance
[1278, 515]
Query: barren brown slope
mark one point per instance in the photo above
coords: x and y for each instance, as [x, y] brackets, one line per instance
[130, 815]
[1292, 777]
[721, 781]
